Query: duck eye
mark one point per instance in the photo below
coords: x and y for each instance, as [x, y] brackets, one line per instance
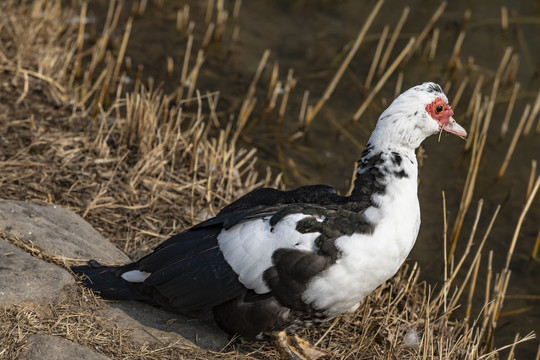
[439, 109]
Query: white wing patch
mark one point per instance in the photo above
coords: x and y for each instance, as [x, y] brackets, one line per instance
[135, 276]
[248, 247]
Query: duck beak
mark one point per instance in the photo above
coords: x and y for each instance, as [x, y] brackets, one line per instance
[454, 128]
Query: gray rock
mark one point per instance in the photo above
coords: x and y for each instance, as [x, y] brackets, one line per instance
[57, 231]
[42, 347]
[150, 324]
[25, 278]
[60, 232]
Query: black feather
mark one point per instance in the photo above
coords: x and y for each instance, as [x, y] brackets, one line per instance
[289, 276]
[106, 281]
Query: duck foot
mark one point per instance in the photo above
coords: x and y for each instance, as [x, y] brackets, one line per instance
[291, 347]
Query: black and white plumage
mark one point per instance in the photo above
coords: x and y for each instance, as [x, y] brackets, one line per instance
[282, 260]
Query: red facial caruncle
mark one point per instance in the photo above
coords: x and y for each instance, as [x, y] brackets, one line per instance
[440, 111]
[443, 114]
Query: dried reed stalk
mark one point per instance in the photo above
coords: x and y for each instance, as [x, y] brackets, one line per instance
[475, 260]
[252, 86]
[399, 84]
[478, 145]
[170, 65]
[475, 91]
[479, 111]
[433, 44]
[100, 48]
[376, 57]
[531, 178]
[468, 189]
[445, 250]
[208, 35]
[194, 74]
[534, 253]
[80, 39]
[289, 86]
[209, 11]
[272, 84]
[513, 144]
[504, 18]
[489, 277]
[332, 85]
[392, 41]
[122, 50]
[383, 80]
[459, 92]
[454, 58]
[303, 110]
[509, 74]
[495, 87]
[532, 117]
[520, 222]
[524, 47]
[221, 20]
[185, 66]
[504, 126]
[472, 287]
[432, 20]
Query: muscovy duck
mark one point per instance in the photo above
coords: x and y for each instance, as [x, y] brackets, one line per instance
[274, 262]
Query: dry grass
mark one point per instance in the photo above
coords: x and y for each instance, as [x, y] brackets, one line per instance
[75, 319]
[126, 166]
[140, 164]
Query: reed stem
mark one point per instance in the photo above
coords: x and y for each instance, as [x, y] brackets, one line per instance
[332, 85]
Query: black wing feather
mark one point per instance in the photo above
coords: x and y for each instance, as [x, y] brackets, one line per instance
[266, 202]
[188, 270]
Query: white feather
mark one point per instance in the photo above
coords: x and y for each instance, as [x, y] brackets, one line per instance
[135, 276]
[248, 247]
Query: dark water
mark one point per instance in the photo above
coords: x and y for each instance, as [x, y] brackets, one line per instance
[312, 37]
